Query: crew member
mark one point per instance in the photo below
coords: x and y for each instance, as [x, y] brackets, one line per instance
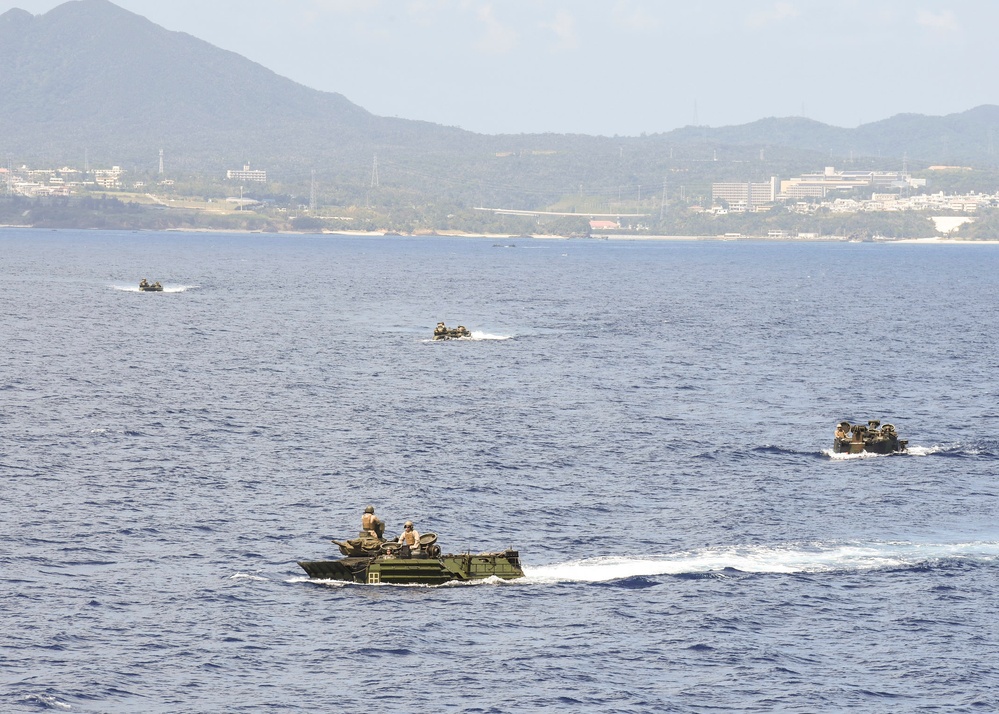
[144, 283]
[410, 540]
[841, 430]
[371, 525]
[440, 330]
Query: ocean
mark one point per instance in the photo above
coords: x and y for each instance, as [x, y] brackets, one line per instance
[649, 423]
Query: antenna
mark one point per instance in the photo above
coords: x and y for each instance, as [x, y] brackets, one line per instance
[662, 205]
[161, 162]
[312, 194]
[374, 172]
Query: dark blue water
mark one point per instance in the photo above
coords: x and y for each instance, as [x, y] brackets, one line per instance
[648, 422]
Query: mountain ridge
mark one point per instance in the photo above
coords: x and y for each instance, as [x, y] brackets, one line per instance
[91, 79]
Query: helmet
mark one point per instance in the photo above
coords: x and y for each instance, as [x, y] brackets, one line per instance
[369, 509]
[408, 524]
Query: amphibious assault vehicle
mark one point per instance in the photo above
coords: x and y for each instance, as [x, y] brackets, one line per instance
[872, 438]
[371, 561]
[442, 332]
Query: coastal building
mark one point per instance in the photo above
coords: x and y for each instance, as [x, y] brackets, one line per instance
[745, 196]
[247, 174]
[108, 178]
[819, 185]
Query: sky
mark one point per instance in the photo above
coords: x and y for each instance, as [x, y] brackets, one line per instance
[610, 67]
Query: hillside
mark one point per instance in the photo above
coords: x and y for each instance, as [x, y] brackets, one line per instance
[90, 76]
[91, 82]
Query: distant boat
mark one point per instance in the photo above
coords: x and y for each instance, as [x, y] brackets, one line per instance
[442, 332]
[873, 438]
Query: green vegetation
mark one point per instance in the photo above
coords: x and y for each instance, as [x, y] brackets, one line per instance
[135, 212]
[984, 227]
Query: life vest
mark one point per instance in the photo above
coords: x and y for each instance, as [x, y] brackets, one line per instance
[368, 521]
[410, 538]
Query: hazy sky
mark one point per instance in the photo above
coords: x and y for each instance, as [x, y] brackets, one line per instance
[611, 66]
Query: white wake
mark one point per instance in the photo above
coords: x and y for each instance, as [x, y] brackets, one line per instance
[767, 559]
[910, 451]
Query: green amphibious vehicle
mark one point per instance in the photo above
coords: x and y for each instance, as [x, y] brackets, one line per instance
[373, 562]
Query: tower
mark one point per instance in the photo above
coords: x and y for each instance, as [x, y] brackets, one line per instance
[161, 162]
[374, 172]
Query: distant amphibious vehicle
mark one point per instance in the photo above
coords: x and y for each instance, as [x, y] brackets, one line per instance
[872, 438]
[373, 561]
[442, 332]
[147, 287]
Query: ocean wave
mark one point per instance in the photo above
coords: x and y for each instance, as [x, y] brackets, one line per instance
[44, 701]
[789, 559]
[778, 450]
[924, 450]
[851, 457]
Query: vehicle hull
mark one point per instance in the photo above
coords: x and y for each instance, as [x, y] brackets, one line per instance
[886, 446]
[417, 570]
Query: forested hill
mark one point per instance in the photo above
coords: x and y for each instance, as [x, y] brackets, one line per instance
[90, 79]
[91, 75]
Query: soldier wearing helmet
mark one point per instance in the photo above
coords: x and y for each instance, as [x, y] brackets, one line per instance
[410, 540]
[371, 525]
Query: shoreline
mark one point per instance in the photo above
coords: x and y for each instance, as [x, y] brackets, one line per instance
[936, 240]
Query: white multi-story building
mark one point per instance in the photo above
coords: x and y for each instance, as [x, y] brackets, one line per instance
[745, 196]
[247, 174]
[818, 185]
[108, 178]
